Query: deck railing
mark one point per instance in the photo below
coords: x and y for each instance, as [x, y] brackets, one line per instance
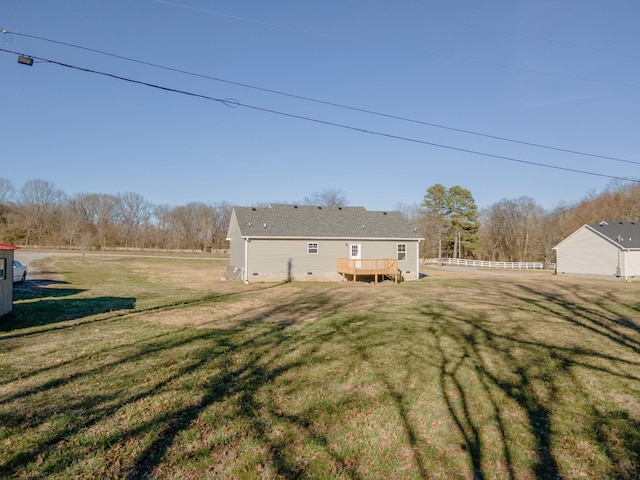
[369, 266]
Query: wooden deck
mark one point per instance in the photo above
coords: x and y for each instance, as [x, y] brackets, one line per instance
[378, 267]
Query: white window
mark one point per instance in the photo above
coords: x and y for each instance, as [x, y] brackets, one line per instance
[312, 248]
[402, 251]
[3, 268]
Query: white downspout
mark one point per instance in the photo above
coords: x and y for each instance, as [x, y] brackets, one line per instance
[418, 260]
[619, 266]
[246, 260]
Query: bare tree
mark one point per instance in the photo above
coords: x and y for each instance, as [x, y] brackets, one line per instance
[512, 230]
[71, 224]
[135, 213]
[160, 219]
[221, 223]
[416, 215]
[101, 212]
[43, 215]
[489, 235]
[39, 203]
[7, 191]
[329, 197]
[193, 226]
[551, 232]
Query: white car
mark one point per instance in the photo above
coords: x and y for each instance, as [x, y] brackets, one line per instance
[19, 272]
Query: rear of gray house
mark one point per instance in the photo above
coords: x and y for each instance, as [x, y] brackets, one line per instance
[609, 249]
[295, 242]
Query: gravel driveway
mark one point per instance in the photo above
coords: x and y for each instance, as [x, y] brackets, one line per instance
[28, 257]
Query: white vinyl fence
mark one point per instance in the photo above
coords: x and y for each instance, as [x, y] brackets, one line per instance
[497, 265]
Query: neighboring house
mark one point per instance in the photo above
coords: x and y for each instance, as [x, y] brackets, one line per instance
[294, 242]
[606, 249]
[6, 277]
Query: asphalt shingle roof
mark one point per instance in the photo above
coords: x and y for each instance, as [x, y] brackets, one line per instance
[625, 234]
[304, 221]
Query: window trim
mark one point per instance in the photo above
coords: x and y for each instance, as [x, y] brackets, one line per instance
[3, 268]
[401, 251]
[313, 246]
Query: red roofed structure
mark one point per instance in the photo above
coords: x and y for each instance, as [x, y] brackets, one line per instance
[6, 277]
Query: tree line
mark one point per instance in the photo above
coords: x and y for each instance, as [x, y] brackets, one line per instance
[511, 230]
[514, 230]
[40, 214]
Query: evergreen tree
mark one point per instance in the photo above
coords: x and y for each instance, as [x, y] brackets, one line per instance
[453, 214]
[436, 213]
[463, 216]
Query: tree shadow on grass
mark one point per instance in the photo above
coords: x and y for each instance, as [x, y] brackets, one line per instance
[592, 313]
[245, 381]
[537, 374]
[235, 370]
[47, 312]
[258, 342]
[362, 345]
[36, 304]
[516, 383]
[95, 407]
[42, 288]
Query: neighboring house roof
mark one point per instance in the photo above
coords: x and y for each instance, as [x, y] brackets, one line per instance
[304, 221]
[6, 246]
[625, 235]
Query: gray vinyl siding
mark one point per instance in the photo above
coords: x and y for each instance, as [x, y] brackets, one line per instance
[587, 253]
[389, 249]
[631, 267]
[409, 267]
[270, 243]
[275, 257]
[377, 249]
[281, 258]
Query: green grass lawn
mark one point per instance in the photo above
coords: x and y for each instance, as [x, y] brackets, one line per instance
[155, 368]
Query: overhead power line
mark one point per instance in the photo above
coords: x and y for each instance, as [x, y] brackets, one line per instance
[325, 102]
[547, 40]
[419, 52]
[234, 103]
[256, 22]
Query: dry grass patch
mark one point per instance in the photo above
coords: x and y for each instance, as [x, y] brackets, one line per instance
[282, 303]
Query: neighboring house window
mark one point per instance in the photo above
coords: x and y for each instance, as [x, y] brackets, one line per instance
[402, 251]
[3, 268]
[312, 248]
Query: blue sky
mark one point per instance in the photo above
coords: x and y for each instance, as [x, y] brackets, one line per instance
[561, 74]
